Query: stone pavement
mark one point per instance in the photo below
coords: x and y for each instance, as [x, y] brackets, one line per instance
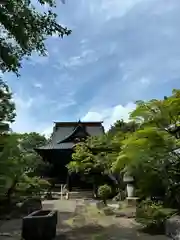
[75, 222]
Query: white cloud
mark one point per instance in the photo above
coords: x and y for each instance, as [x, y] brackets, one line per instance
[36, 59]
[118, 8]
[27, 111]
[119, 51]
[22, 103]
[38, 85]
[110, 115]
[85, 57]
[23, 120]
[145, 81]
[47, 131]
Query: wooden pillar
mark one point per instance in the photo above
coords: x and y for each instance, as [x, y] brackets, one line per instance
[68, 182]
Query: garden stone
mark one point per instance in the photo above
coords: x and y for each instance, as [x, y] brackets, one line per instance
[80, 209]
[120, 214]
[100, 205]
[6, 235]
[108, 211]
[79, 220]
[126, 213]
[132, 201]
[172, 227]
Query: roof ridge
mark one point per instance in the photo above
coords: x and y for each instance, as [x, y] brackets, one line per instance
[70, 123]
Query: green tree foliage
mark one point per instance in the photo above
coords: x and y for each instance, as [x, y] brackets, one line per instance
[153, 216]
[24, 30]
[151, 153]
[18, 162]
[7, 107]
[95, 157]
[148, 147]
[164, 114]
[7, 114]
[85, 163]
[91, 157]
[123, 128]
[32, 140]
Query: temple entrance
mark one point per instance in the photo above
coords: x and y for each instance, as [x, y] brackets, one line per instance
[58, 151]
[75, 181]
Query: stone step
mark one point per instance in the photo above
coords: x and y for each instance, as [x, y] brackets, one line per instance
[80, 195]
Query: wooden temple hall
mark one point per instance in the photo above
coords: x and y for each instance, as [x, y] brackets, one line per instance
[59, 150]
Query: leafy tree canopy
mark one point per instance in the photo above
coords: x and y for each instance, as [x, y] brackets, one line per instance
[96, 155]
[123, 128]
[32, 140]
[23, 30]
[151, 153]
[7, 106]
[18, 159]
[164, 114]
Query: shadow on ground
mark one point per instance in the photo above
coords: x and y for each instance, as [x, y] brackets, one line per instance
[113, 232]
[95, 231]
[83, 224]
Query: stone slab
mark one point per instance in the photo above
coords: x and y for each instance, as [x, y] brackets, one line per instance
[172, 227]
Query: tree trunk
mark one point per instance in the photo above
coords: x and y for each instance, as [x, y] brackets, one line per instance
[11, 190]
[104, 201]
[94, 190]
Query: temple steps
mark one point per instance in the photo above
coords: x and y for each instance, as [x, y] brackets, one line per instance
[75, 193]
[80, 194]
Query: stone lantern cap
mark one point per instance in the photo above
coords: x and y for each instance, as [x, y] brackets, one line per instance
[128, 178]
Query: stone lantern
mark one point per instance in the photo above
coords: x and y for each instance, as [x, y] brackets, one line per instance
[129, 180]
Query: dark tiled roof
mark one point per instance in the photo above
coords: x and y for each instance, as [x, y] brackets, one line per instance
[64, 131]
[78, 132]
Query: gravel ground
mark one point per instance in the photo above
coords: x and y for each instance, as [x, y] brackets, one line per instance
[77, 222]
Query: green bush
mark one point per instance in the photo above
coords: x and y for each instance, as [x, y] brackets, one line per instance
[153, 215]
[104, 192]
[31, 186]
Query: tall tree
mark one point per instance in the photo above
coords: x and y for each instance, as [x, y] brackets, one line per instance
[30, 141]
[7, 114]
[96, 156]
[163, 114]
[23, 30]
[7, 107]
[122, 127]
[152, 152]
[19, 161]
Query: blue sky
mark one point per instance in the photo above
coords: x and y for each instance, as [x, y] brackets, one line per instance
[119, 51]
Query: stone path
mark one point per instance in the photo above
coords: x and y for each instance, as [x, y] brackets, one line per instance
[77, 222]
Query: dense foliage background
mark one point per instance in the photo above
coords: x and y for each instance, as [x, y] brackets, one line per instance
[147, 147]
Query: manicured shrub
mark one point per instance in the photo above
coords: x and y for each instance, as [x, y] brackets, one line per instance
[104, 192]
[31, 186]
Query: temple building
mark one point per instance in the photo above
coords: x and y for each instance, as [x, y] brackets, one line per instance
[58, 152]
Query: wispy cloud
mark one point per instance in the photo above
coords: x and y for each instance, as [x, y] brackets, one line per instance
[110, 115]
[119, 52]
[38, 85]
